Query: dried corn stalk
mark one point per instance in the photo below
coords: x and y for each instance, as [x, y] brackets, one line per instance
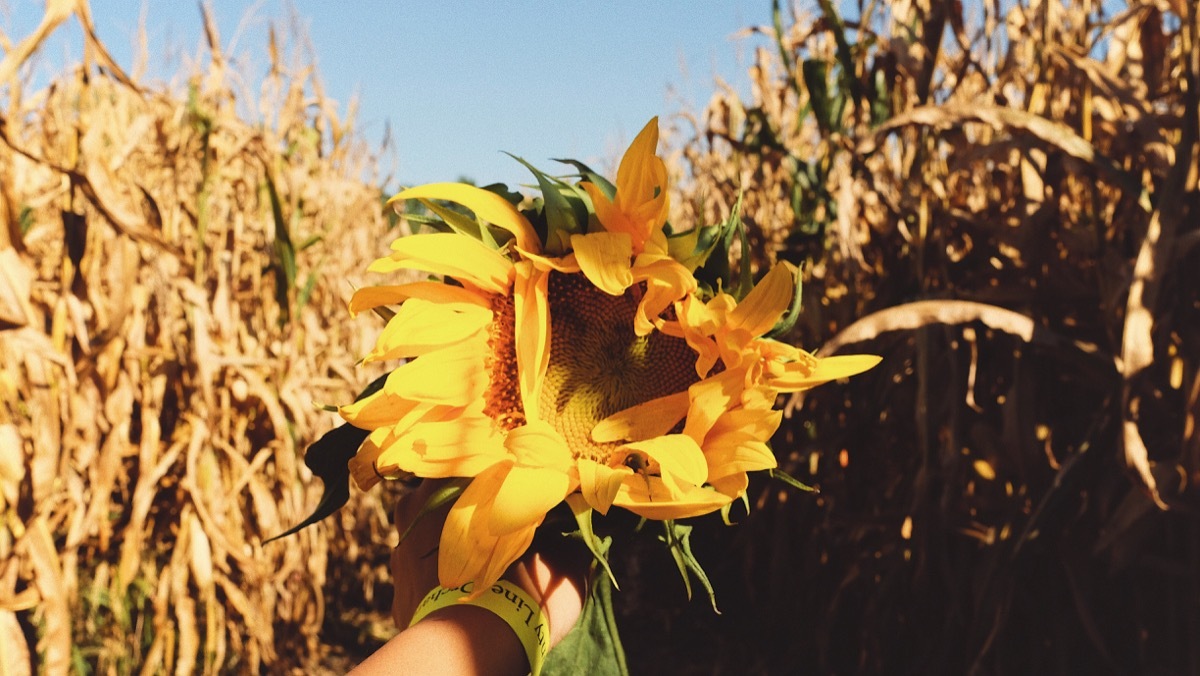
[173, 282]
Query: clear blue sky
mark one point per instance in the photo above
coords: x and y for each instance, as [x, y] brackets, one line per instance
[460, 81]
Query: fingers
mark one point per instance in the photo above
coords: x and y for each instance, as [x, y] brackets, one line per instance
[414, 560]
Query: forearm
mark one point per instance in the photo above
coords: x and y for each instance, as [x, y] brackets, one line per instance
[457, 640]
[465, 639]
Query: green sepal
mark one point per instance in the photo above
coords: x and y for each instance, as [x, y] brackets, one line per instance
[462, 224]
[788, 320]
[597, 545]
[728, 508]
[564, 212]
[432, 222]
[713, 246]
[791, 481]
[678, 540]
[593, 644]
[327, 457]
[585, 172]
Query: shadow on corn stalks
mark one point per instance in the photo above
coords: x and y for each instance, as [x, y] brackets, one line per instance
[1000, 199]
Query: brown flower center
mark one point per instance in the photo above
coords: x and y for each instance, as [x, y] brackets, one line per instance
[503, 399]
[599, 366]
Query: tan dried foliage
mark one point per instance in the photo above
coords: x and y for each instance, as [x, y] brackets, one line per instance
[166, 334]
[1002, 199]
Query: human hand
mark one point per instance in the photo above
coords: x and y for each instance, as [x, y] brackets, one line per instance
[466, 639]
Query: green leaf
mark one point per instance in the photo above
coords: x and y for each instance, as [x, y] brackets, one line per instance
[593, 646]
[816, 81]
[283, 253]
[327, 459]
[678, 540]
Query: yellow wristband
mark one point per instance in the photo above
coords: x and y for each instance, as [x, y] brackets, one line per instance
[510, 603]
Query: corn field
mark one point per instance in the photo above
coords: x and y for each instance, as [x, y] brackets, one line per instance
[999, 197]
[173, 288]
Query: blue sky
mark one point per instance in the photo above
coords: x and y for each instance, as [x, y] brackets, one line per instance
[459, 82]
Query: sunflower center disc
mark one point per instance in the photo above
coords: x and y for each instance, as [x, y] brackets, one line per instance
[599, 366]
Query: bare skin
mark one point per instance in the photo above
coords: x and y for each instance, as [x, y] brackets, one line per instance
[463, 639]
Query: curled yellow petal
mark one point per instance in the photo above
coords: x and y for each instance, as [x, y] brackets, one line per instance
[598, 484]
[604, 258]
[678, 455]
[761, 309]
[641, 203]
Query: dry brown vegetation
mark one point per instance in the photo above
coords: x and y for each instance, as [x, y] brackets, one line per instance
[173, 282]
[1000, 198]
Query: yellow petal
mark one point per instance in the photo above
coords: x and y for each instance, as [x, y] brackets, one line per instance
[524, 498]
[377, 410]
[362, 465]
[444, 253]
[677, 454]
[607, 212]
[743, 456]
[733, 485]
[567, 264]
[531, 306]
[710, 398]
[454, 376]
[370, 297]
[758, 421]
[598, 484]
[642, 185]
[462, 447]
[649, 419]
[666, 282]
[487, 205]
[696, 325]
[604, 258]
[468, 551]
[646, 496]
[761, 309]
[538, 444]
[826, 369]
[636, 170]
[420, 327]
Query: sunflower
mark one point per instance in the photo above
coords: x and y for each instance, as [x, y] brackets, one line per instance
[596, 371]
